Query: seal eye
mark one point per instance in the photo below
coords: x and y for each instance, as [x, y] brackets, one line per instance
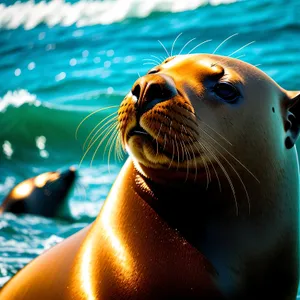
[152, 71]
[226, 91]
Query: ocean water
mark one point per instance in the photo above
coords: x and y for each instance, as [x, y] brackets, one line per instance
[61, 60]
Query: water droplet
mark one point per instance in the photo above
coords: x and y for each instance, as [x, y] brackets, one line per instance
[128, 59]
[78, 33]
[110, 53]
[116, 60]
[110, 90]
[42, 35]
[18, 72]
[31, 66]
[85, 53]
[60, 76]
[7, 149]
[97, 60]
[107, 64]
[73, 62]
[50, 47]
[44, 154]
[40, 142]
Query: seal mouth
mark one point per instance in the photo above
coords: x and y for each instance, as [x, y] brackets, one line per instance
[138, 130]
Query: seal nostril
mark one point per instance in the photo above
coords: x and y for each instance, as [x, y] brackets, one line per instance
[136, 91]
[151, 90]
[154, 91]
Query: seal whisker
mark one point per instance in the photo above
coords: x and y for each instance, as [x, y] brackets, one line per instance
[173, 153]
[173, 45]
[186, 44]
[235, 159]
[122, 153]
[220, 135]
[182, 150]
[103, 125]
[91, 145]
[212, 154]
[207, 171]
[160, 59]
[257, 65]
[208, 175]
[204, 123]
[107, 117]
[109, 141]
[170, 127]
[235, 34]
[194, 157]
[156, 139]
[115, 144]
[94, 112]
[201, 120]
[178, 156]
[119, 148]
[165, 141]
[151, 60]
[195, 162]
[240, 56]
[238, 175]
[199, 45]
[168, 54]
[149, 63]
[187, 156]
[229, 153]
[241, 48]
[115, 136]
[103, 138]
[208, 145]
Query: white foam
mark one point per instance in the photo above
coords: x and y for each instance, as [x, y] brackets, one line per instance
[17, 99]
[83, 13]
[8, 184]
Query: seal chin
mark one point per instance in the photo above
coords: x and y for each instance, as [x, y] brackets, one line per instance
[170, 158]
[145, 149]
[154, 162]
[171, 176]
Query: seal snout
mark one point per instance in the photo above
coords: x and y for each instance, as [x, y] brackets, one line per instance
[69, 174]
[152, 89]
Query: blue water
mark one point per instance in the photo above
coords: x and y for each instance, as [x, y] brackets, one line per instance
[61, 60]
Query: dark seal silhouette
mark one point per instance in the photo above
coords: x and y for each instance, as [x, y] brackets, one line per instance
[43, 195]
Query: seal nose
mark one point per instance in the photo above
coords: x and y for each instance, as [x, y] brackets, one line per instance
[152, 89]
[69, 174]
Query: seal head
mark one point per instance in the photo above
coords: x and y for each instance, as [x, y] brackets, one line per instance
[43, 195]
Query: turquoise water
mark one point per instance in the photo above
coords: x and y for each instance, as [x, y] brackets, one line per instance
[61, 60]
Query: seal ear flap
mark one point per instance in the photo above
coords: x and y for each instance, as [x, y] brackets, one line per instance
[292, 122]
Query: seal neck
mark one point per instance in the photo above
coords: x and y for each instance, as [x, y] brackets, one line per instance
[184, 206]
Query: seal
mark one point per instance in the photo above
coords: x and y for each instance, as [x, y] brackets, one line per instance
[205, 207]
[43, 195]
